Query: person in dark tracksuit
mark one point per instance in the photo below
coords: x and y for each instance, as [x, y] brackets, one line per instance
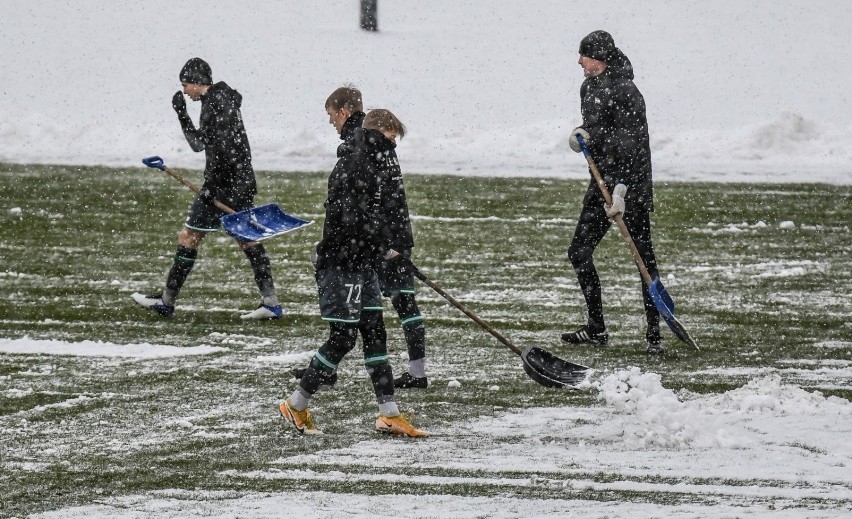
[349, 294]
[615, 129]
[346, 113]
[228, 177]
[395, 278]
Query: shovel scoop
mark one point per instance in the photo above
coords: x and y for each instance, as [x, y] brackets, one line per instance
[255, 224]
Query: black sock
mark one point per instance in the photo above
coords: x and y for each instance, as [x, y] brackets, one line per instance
[415, 338]
[262, 273]
[412, 324]
[182, 266]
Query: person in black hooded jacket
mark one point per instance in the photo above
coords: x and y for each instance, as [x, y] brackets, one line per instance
[349, 296]
[395, 276]
[615, 129]
[345, 112]
[228, 177]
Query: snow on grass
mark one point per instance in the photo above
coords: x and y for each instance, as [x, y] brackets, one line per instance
[326, 505]
[27, 346]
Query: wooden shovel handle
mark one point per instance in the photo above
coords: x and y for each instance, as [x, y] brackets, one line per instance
[487, 327]
[180, 178]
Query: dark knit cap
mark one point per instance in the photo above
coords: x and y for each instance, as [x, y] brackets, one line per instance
[598, 45]
[197, 72]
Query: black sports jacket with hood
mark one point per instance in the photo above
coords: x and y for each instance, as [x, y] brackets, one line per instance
[396, 225]
[613, 112]
[352, 216]
[228, 172]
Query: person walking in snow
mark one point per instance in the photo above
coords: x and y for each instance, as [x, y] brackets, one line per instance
[349, 296]
[395, 276]
[615, 129]
[345, 110]
[228, 177]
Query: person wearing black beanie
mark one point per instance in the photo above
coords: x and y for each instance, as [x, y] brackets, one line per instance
[598, 45]
[615, 130]
[228, 177]
[197, 72]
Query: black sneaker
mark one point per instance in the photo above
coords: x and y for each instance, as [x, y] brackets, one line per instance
[655, 348]
[328, 380]
[586, 335]
[407, 381]
[653, 343]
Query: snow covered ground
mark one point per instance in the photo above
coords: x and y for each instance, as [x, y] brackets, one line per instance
[736, 91]
[764, 449]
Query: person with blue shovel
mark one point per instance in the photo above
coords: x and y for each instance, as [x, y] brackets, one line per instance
[615, 132]
[228, 178]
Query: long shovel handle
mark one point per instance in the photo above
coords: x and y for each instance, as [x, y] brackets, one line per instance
[157, 162]
[488, 328]
[618, 220]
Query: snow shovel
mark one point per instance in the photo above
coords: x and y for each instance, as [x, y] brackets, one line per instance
[659, 295]
[541, 365]
[255, 224]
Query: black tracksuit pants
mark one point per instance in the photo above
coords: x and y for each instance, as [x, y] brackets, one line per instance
[592, 225]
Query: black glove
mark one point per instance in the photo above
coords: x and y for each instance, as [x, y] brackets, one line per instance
[206, 196]
[179, 103]
[401, 264]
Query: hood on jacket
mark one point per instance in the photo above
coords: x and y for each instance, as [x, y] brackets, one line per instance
[221, 91]
[619, 66]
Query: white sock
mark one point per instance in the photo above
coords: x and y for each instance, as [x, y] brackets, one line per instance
[417, 368]
[299, 400]
[270, 298]
[389, 409]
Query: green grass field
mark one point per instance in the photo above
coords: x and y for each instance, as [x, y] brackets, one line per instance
[75, 242]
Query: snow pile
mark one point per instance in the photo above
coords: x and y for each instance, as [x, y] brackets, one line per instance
[662, 419]
[770, 394]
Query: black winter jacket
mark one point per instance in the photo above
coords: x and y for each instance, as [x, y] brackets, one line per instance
[396, 222]
[352, 220]
[614, 115]
[228, 173]
[347, 133]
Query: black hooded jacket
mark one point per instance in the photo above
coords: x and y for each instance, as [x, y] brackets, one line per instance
[613, 112]
[352, 219]
[347, 133]
[396, 222]
[228, 173]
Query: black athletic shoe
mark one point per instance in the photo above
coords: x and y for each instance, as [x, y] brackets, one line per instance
[407, 381]
[653, 343]
[586, 335]
[328, 380]
[655, 348]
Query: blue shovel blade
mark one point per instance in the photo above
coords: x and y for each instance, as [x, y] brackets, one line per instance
[665, 305]
[260, 223]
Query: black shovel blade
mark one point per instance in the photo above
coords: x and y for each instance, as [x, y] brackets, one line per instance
[550, 371]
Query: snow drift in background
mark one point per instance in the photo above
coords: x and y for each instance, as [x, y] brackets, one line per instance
[733, 89]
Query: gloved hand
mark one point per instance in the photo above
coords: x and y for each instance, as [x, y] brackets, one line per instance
[572, 141]
[206, 196]
[401, 263]
[179, 103]
[617, 206]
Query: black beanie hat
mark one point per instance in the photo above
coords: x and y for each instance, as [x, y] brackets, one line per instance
[197, 72]
[598, 45]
